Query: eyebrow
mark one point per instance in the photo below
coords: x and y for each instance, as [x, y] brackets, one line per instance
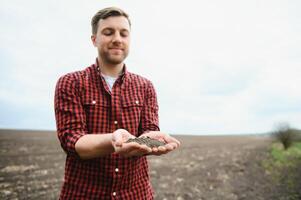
[113, 29]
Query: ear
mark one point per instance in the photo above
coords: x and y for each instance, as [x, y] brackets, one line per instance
[93, 39]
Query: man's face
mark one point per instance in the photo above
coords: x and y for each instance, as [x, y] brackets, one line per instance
[112, 39]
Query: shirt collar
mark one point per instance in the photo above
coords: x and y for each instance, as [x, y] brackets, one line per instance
[123, 75]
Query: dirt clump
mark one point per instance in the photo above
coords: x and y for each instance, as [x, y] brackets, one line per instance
[150, 142]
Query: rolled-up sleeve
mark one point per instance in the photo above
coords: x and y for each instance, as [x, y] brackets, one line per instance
[69, 113]
[149, 113]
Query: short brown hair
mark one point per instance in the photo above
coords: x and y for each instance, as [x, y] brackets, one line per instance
[105, 13]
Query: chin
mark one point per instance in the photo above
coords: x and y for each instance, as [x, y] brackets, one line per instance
[113, 59]
[116, 60]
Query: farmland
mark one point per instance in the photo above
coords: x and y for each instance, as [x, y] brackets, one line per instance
[204, 167]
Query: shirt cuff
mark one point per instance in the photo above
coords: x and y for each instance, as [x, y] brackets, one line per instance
[68, 140]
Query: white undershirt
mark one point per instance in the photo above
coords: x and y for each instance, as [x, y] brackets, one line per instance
[110, 80]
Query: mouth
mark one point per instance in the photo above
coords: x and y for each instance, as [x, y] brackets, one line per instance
[116, 50]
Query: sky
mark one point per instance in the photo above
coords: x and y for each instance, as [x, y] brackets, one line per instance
[219, 67]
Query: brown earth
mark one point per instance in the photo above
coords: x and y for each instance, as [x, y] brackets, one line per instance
[203, 168]
[147, 141]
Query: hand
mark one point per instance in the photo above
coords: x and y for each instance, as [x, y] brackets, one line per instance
[119, 138]
[171, 142]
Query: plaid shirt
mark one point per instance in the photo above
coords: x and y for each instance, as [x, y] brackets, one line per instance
[84, 105]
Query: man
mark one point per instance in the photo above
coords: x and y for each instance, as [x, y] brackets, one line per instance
[98, 109]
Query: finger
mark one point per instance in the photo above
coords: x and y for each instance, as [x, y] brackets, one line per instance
[170, 146]
[170, 139]
[142, 150]
[123, 149]
[162, 148]
[136, 153]
[128, 147]
[145, 148]
[159, 153]
[173, 145]
[117, 139]
[155, 149]
[120, 136]
[131, 146]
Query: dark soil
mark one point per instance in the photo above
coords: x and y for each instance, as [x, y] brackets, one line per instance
[147, 141]
[203, 168]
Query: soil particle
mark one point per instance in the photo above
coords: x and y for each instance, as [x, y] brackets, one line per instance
[150, 142]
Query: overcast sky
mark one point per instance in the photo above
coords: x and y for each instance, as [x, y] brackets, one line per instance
[219, 67]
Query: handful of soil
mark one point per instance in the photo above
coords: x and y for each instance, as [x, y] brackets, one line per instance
[150, 142]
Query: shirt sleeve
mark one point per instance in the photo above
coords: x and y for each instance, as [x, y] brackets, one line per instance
[149, 113]
[69, 114]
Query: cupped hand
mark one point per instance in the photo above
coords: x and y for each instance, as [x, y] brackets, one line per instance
[119, 138]
[171, 143]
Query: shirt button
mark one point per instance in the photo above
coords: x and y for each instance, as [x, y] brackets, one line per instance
[115, 122]
[114, 193]
[137, 102]
[93, 102]
[116, 170]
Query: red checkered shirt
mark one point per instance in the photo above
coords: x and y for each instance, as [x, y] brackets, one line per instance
[84, 105]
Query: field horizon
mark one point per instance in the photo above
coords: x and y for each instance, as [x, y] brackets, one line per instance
[7, 130]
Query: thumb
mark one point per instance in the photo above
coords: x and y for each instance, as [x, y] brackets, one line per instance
[117, 138]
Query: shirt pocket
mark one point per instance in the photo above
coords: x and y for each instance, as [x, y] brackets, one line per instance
[97, 115]
[131, 113]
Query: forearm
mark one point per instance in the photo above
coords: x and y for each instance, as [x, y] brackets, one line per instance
[94, 145]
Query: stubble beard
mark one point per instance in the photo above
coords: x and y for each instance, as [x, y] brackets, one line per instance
[113, 59]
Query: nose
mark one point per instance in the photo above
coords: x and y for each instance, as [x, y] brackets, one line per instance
[117, 37]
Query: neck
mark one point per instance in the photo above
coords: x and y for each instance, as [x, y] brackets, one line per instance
[110, 69]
